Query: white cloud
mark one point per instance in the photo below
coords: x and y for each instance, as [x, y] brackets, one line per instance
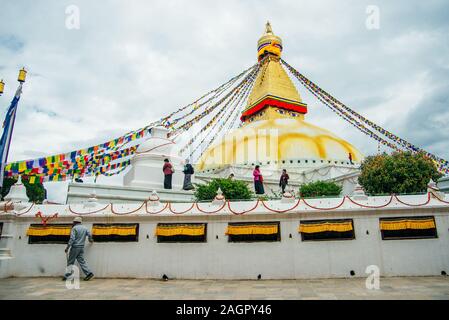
[132, 62]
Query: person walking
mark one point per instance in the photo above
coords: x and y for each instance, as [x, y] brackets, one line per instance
[188, 171]
[168, 173]
[258, 180]
[283, 182]
[75, 248]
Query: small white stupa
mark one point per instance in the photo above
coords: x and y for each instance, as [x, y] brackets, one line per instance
[434, 191]
[17, 193]
[359, 193]
[146, 165]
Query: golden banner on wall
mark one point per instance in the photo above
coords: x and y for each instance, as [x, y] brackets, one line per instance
[118, 230]
[252, 229]
[180, 230]
[53, 230]
[325, 226]
[403, 224]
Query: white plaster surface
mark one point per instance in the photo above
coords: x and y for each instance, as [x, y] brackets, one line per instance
[290, 258]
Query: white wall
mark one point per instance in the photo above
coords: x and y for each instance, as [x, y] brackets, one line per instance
[288, 259]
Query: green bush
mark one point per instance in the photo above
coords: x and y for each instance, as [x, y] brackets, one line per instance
[232, 190]
[35, 191]
[400, 172]
[319, 189]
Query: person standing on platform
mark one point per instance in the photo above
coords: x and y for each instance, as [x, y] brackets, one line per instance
[258, 180]
[283, 182]
[78, 236]
[168, 173]
[350, 158]
[188, 171]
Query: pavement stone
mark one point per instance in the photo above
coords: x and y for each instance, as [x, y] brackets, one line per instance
[395, 288]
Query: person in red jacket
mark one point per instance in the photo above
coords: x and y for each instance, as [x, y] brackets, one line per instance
[258, 181]
[168, 173]
[350, 158]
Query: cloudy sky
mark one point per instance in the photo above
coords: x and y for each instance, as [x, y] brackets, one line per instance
[131, 62]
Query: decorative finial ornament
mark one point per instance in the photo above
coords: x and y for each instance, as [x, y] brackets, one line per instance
[154, 199]
[268, 28]
[359, 193]
[269, 43]
[288, 196]
[432, 184]
[219, 198]
[434, 191]
[2, 87]
[22, 75]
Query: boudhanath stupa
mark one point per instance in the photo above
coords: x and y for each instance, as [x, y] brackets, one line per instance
[141, 230]
[256, 118]
[273, 134]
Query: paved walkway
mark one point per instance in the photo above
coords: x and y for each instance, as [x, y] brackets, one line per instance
[390, 288]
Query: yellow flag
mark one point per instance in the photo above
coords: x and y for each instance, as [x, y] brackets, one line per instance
[32, 179]
[22, 166]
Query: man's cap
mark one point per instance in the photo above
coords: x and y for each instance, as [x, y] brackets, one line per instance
[78, 219]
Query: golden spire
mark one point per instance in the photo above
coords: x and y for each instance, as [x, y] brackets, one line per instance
[272, 88]
[269, 42]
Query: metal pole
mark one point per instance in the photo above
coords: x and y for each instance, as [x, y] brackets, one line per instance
[19, 91]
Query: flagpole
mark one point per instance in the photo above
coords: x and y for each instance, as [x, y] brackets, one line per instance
[8, 125]
[19, 91]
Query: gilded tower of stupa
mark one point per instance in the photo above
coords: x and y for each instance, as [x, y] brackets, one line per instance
[274, 133]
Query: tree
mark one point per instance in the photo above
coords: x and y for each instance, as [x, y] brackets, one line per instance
[232, 189]
[319, 189]
[400, 172]
[35, 191]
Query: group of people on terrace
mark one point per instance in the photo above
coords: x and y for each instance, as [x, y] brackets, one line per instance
[168, 170]
[258, 180]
